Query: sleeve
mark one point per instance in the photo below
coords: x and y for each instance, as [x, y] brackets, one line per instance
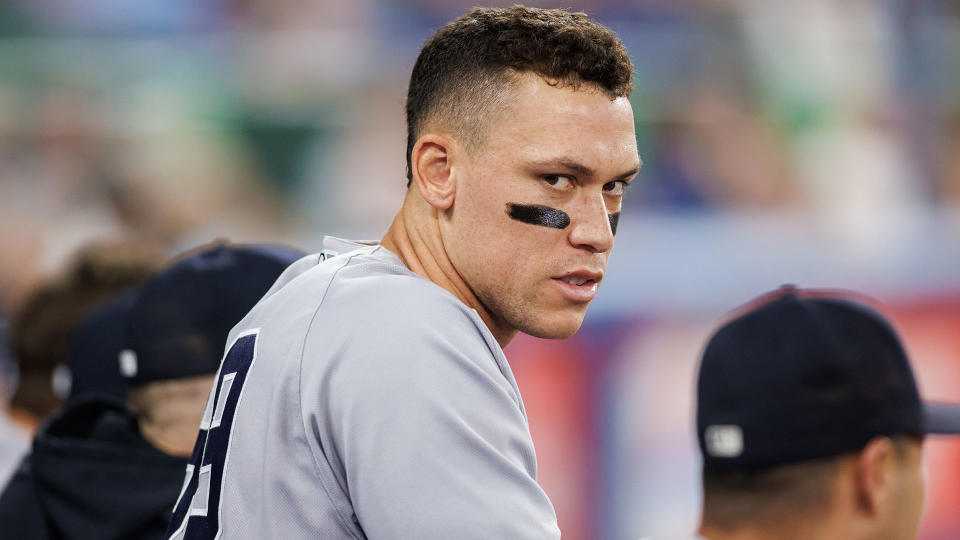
[431, 436]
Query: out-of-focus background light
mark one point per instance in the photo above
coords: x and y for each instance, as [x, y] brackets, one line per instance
[813, 142]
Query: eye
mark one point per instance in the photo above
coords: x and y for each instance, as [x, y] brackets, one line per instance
[558, 181]
[616, 187]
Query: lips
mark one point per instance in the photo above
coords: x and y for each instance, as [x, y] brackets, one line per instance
[579, 285]
[580, 277]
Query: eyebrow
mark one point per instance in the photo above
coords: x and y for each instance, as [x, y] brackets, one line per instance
[579, 168]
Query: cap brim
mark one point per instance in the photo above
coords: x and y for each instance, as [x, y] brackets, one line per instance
[941, 418]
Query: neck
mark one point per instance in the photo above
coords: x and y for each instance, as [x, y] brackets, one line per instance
[169, 412]
[172, 437]
[798, 529]
[414, 236]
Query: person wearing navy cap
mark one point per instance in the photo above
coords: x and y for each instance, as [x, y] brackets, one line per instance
[100, 469]
[177, 330]
[810, 423]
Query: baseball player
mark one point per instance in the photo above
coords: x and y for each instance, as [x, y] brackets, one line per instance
[810, 424]
[367, 394]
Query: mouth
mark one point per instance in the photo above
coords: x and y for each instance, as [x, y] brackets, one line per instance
[579, 286]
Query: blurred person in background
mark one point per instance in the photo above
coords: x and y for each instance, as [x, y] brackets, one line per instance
[42, 328]
[100, 469]
[810, 424]
[14, 439]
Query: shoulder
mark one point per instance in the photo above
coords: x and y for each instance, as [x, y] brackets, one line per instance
[385, 295]
[367, 286]
[80, 419]
[363, 316]
[379, 320]
[294, 299]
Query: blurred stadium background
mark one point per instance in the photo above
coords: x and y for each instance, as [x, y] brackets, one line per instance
[813, 142]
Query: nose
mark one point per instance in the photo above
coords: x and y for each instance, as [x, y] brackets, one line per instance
[590, 225]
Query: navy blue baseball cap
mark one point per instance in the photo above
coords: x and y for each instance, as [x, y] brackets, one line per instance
[92, 359]
[180, 320]
[806, 375]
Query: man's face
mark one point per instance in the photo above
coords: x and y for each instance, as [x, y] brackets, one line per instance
[535, 208]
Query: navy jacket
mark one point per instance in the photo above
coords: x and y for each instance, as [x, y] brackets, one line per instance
[91, 475]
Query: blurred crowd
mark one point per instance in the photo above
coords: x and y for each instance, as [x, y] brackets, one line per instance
[178, 121]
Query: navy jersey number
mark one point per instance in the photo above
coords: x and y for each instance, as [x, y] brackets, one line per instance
[197, 512]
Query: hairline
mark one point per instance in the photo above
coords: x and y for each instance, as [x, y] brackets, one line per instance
[443, 116]
[824, 469]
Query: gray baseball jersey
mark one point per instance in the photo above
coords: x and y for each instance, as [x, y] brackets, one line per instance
[361, 400]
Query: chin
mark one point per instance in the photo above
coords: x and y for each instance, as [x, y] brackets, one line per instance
[558, 328]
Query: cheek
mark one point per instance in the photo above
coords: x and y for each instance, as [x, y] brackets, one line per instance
[915, 494]
[489, 233]
[487, 221]
[482, 222]
[475, 208]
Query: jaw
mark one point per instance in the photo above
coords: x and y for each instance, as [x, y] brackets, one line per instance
[548, 332]
[537, 311]
[555, 323]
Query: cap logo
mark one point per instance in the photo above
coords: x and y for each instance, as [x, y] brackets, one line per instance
[62, 381]
[723, 440]
[128, 363]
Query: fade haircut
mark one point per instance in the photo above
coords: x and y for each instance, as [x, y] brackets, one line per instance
[767, 497]
[465, 70]
[777, 496]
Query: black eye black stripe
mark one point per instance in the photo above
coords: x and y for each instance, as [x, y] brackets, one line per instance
[535, 214]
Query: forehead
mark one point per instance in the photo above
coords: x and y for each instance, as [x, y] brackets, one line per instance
[544, 121]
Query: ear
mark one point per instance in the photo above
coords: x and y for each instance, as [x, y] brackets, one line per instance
[874, 473]
[432, 169]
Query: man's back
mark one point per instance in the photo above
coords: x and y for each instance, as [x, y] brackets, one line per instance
[354, 399]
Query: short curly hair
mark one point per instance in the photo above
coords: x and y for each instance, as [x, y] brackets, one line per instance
[465, 68]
